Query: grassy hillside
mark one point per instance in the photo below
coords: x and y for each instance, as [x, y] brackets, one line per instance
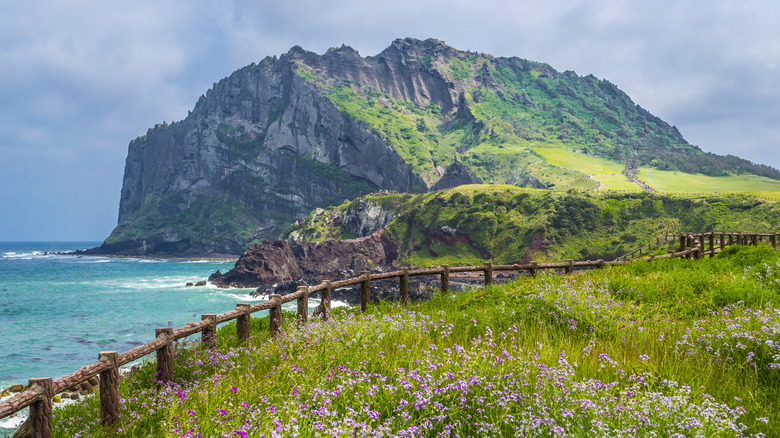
[607, 173]
[505, 109]
[667, 348]
[678, 182]
[507, 224]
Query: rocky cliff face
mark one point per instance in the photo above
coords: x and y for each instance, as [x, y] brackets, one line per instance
[282, 261]
[266, 146]
[277, 139]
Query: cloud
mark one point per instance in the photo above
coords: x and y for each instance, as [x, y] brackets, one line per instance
[80, 79]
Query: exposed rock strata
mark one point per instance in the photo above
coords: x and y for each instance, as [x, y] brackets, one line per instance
[455, 175]
[282, 261]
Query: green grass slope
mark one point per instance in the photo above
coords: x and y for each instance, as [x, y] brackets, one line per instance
[505, 108]
[507, 224]
[667, 348]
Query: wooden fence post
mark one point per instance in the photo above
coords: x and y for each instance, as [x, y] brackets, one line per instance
[403, 286]
[712, 244]
[534, 268]
[275, 314]
[303, 305]
[165, 355]
[445, 279]
[209, 334]
[722, 241]
[325, 300]
[365, 291]
[731, 238]
[244, 321]
[41, 411]
[773, 240]
[569, 266]
[754, 240]
[488, 273]
[683, 241]
[109, 389]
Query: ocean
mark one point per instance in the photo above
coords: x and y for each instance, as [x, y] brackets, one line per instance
[57, 312]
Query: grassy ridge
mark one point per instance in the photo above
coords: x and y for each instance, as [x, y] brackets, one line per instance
[505, 108]
[647, 349]
[507, 224]
[609, 174]
[675, 182]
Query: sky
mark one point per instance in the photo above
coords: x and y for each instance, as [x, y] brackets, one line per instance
[80, 79]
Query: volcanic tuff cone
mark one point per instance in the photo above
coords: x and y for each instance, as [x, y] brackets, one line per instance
[266, 145]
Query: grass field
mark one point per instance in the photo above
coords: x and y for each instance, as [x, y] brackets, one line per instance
[606, 172]
[669, 348]
[677, 182]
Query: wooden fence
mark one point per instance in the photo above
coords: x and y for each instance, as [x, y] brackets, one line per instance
[40, 391]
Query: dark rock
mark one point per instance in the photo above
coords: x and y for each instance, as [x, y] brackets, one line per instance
[456, 174]
[189, 284]
[534, 182]
[283, 263]
[200, 283]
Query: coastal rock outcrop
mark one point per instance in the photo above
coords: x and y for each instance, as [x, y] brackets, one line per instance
[281, 261]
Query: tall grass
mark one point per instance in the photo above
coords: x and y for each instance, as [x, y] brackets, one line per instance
[668, 348]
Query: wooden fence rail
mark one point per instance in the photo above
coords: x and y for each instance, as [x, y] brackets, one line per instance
[40, 391]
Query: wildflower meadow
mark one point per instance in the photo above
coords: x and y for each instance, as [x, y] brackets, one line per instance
[650, 349]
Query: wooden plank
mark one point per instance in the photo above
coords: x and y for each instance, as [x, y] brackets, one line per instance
[303, 305]
[404, 286]
[109, 389]
[40, 418]
[488, 273]
[20, 401]
[132, 354]
[190, 329]
[445, 279]
[275, 325]
[244, 321]
[208, 336]
[165, 355]
[325, 300]
[365, 291]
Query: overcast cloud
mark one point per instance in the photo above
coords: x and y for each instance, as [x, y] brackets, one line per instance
[80, 79]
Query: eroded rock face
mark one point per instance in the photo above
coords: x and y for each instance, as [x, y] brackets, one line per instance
[366, 218]
[455, 175]
[533, 182]
[283, 261]
[266, 143]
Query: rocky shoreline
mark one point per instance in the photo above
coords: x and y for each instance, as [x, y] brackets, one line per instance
[275, 263]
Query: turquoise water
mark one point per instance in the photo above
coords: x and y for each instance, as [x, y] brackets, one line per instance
[57, 312]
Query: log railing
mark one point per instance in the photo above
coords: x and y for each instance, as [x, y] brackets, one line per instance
[40, 391]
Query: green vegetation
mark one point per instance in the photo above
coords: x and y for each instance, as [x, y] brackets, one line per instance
[677, 182]
[508, 224]
[508, 106]
[609, 174]
[206, 219]
[668, 348]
